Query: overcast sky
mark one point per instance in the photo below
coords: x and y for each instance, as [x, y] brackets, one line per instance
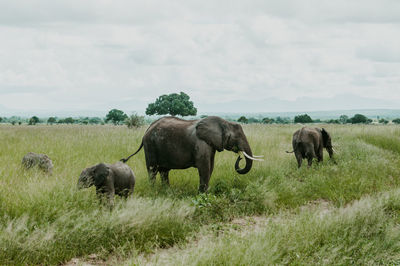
[77, 55]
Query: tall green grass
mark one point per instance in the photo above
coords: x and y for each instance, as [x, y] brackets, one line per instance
[366, 232]
[45, 220]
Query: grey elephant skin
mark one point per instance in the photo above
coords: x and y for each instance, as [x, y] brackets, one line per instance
[173, 143]
[310, 143]
[43, 162]
[109, 179]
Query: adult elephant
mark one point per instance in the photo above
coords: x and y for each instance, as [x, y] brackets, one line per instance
[310, 143]
[173, 143]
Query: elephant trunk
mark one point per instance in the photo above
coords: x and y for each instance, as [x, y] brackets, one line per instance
[249, 162]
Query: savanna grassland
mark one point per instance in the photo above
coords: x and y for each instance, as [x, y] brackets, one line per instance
[333, 213]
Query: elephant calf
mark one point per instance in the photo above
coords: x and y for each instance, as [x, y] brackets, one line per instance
[109, 179]
[41, 160]
[309, 143]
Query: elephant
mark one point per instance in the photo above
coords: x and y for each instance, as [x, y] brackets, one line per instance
[174, 143]
[43, 161]
[309, 143]
[109, 179]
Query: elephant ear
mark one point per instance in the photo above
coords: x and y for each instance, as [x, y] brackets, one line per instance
[325, 137]
[100, 174]
[212, 130]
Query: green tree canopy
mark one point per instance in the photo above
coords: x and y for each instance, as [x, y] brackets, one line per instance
[173, 104]
[396, 121]
[267, 120]
[33, 120]
[358, 119]
[243, 120]
[51, 120]
[116, 116]
[303, 119]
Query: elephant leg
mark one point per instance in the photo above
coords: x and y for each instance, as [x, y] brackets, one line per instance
[211, 164]
[320, 155]
[152, 171]
[310, 154]
[299, 158]
[164, 177]
[204, 173]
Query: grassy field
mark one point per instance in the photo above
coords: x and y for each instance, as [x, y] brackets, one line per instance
[343, 213]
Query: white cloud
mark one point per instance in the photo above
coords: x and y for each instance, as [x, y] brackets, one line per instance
[105, 54]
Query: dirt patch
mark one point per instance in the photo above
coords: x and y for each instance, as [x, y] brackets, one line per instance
[91, 260]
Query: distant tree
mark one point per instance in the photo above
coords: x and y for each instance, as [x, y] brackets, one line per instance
[282, 120]
[383, 121]
[253, 120]
[333, 121]
[134, 121]
[1, 119]
[95, 120]
[51, 120]
[344, 119]
[173, 104]
[396, 121]
[33, 120]
[267, 120]
[359, 119]
[116, 116]
[69, 120]
[243, 120]
[303, 119]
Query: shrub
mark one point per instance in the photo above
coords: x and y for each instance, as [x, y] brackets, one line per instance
[33, 120]
[359, 119]
[134, 121]
[303, 119]
[396, 121]
[243, 120]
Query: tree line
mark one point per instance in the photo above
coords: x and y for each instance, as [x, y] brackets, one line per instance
[180, 104]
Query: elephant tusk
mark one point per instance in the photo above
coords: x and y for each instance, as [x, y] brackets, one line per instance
[258, 156]
[251, 158]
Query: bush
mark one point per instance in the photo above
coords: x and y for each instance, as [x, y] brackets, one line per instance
[243, 120]
[134, 121]
[359, 119]
[396, 121]
[33, 120]
[51, 120]
[303, 119]
[267, 120]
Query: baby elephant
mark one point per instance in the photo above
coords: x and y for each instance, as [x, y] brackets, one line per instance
[109, 179]
[310, 143]
[42, 160]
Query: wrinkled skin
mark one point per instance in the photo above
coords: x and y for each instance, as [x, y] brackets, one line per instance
[173, 143]
[32, 159]
[309, 143]
[109, 179]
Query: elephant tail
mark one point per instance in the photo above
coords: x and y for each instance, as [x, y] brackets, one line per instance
[124, 160]
[289, 151]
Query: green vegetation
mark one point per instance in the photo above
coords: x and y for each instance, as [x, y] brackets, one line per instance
[33, 120]
[303, 119]
[329, 214]
[116, 116]
[243, 120]
[135, 121]
[173, 104]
